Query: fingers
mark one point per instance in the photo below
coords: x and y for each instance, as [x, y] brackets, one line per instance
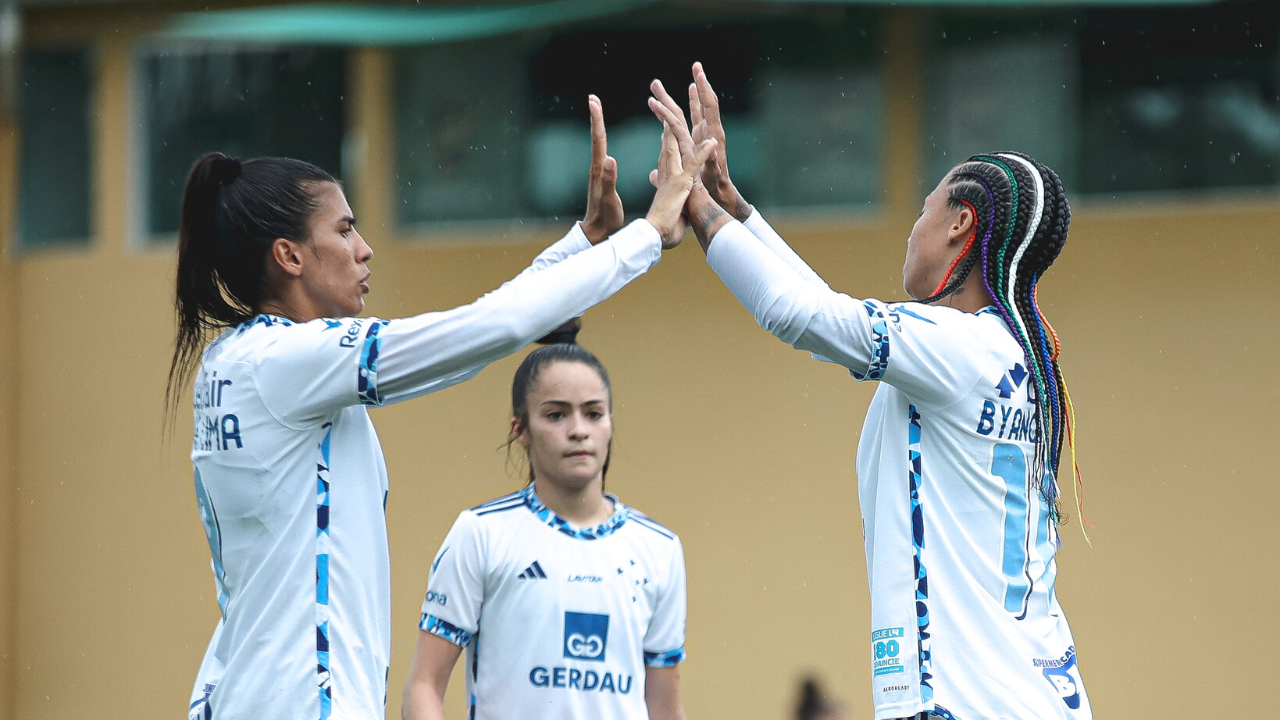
[653, 178]
[695, 106]
[704, 153]
[669, 158]
[599, 142]
[660, 93]
[706, 96]
[675, 123]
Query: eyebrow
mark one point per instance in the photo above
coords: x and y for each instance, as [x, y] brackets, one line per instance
[347, 219]
[569, 404]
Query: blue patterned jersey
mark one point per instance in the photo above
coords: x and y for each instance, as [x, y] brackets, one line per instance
[559, 621]
[960, 547]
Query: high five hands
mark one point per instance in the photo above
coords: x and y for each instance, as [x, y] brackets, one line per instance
[692, 177]
[714, 198]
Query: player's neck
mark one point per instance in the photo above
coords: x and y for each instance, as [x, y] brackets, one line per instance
[585, 506]
[970, 297]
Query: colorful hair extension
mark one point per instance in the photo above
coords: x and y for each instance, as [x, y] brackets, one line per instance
[1021, 218]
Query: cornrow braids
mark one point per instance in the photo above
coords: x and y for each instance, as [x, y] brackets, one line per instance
[1021, 216]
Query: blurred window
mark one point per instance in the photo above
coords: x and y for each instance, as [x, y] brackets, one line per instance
[497, 129]
[55, 199]
[243, 103]
[1002, 82]
[1117, 100]
[1181, 100]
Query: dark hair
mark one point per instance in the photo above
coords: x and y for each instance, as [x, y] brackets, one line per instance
[813, 702]
[1020, 216]
[231, 215]
[527, 375]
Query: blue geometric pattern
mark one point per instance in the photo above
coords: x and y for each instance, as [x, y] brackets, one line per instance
[265, 320]
[924, 640]
[666, 659]
[943, 713]
[546, 515]
[879, 343]
[445, 629]
[367, 378]
[323, 677]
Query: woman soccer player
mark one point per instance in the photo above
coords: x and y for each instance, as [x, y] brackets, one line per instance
[959, 457]
[570, 604]
[289, 474]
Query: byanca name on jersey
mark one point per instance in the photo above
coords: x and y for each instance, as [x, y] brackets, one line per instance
[1005, 420]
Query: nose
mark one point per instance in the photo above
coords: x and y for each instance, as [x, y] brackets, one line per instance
[364, 253]
[578, 427]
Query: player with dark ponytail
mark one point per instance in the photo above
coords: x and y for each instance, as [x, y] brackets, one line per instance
[958, 463]
[289, 475]
[577, 599]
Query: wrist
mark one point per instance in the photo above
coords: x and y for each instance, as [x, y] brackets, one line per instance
[596, 234]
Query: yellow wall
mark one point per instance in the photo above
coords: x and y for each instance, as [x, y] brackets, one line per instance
[742, 445]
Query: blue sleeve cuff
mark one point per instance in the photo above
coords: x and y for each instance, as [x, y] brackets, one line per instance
[367, 375]
[666, 659]
[447, 630]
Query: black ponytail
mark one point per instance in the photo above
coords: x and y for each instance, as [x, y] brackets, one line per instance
[231, 215]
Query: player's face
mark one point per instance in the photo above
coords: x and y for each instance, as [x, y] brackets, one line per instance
[928, 250]
[569, 426]
[338, 279]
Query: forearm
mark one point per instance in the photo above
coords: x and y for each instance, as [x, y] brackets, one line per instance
[423, 353]
[573, 242]
[421, 701]
[756, 223]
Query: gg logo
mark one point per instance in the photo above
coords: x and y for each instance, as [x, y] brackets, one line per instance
[584, 647]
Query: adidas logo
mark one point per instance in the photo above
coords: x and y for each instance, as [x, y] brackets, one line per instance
[533, 572]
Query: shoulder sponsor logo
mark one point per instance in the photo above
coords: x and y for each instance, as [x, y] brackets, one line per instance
[437, 598]
[585, 636]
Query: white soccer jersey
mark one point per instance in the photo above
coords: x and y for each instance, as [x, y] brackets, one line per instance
[292, 486]
[960, 547]
[559, 621]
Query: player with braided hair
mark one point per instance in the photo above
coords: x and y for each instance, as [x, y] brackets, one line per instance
[959, 457]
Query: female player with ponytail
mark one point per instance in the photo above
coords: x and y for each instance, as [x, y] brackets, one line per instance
[960, 457]
[569, 603]
[289, 474]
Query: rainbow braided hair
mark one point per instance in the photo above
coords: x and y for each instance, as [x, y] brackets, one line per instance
[1021, 216]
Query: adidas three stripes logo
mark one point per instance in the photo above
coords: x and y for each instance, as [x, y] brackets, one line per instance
[533, 572]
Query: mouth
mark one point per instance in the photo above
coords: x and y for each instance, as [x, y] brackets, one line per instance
[364, 284]
[580, 454]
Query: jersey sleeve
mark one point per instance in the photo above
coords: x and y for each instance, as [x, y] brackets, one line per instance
[926, 352]
[316, 368]
[770, 238]
[664, 640]
[455, 585]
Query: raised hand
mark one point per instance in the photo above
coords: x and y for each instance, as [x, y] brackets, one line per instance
[702, 212]
[604, 208]
[704, 112]
[674, 178]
